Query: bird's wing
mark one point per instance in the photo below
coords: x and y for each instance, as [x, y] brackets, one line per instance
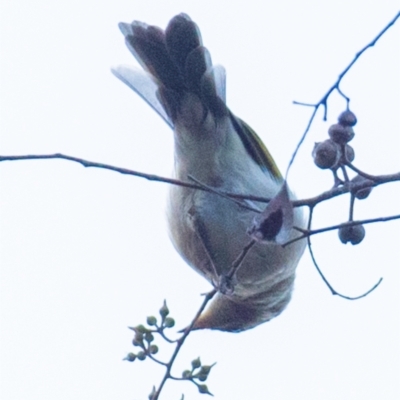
[256, 148]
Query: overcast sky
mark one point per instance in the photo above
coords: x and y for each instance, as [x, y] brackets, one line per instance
[85, 252]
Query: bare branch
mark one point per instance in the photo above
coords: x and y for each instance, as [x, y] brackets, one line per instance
[324, 100]
[179, 343]
[307, 233]
[92, 164]
[333, 291]
[340, 190]
[223, 194]
[337, 191]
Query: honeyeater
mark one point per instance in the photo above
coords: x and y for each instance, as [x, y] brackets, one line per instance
[219, 150]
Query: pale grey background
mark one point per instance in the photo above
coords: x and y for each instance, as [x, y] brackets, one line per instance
[85, 252]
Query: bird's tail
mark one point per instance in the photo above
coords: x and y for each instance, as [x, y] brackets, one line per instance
[176, 63]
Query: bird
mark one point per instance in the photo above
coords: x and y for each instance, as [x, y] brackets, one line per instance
[219, 151]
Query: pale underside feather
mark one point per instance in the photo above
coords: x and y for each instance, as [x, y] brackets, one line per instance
[145, 86]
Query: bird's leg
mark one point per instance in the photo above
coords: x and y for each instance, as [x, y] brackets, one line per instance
[201, 233]
[228, 281]
[225, 282]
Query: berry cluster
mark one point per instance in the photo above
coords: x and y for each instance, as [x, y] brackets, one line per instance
[335, 154]
[144, 336]
[144, 339]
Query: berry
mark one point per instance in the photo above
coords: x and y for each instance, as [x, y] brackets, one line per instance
[151, 321]
[347, 118]
[341, 134]
[153, 349]
[164, 311]
[196, 363]
[353, 234]
[326, 154]
[349, 151]
[169, 322]
[130, 357]
[360, 194]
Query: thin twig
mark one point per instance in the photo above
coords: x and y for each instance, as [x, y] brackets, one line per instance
[333, 291]
[227, 282]
[345, 188]
[180, 342]
[92, 164]
[324, 100]
[337, 191]
[224, 195]
[308, 232]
